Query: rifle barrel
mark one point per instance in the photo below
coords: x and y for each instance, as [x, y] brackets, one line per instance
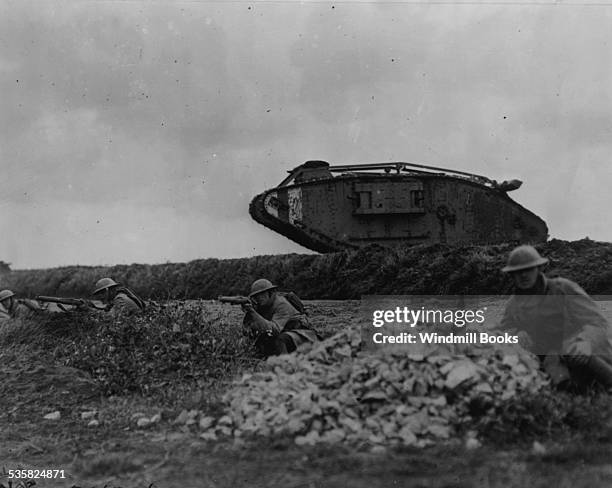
[64, 301]
[237, 300]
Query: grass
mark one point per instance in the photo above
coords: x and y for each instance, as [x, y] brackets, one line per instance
[64, 363]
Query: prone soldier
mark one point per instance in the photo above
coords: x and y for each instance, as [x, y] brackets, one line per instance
[111, 296]
[12, 307]
[118, 298]
[276, 324]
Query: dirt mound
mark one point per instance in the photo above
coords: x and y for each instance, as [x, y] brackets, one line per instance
[373, 270]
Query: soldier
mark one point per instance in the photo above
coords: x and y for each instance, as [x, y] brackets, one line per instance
[118, 298]
[278, 325]
[11, 308]
[7, 305]
[556, 319]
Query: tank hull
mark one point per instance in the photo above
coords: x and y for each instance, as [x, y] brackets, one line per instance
[351, 211]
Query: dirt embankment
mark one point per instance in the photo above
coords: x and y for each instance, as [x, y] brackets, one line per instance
[432, 269]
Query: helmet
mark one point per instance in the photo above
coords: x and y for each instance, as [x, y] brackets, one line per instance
[523, 257]
[261, 285]
[4, 294]
[105, 283]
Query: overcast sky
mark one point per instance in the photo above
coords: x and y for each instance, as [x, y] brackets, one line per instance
[138, 131]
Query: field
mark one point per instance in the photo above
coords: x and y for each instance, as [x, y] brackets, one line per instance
[129, 396]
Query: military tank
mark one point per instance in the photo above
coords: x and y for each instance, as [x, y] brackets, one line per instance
[330, 208]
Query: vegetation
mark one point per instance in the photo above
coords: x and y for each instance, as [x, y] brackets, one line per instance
[104, 377]
[117, 402]
[170, 344]
[431, 269]
[196, 345]
[546, 415]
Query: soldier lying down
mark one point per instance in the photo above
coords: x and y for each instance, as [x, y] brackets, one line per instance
[277, 325]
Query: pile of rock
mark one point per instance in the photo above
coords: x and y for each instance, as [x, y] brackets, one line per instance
[335, 393]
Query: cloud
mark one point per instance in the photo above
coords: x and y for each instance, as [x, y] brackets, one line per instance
[185, 111]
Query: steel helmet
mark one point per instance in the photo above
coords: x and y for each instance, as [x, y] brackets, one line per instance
[4, 294]
[105, 283]
[261, 285]
[523, 257]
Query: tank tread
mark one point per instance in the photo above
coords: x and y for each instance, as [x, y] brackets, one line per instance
[303, 235]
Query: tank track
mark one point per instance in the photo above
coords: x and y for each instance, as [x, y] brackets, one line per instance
[303, 235]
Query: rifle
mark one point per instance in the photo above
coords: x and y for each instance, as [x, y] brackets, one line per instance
[236, 300]
[76, 302]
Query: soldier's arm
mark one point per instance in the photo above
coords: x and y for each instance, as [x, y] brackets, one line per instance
[509, 322]
[30, 304]
[585, 321]
[282, 314]
[511, 325]
[260, 324]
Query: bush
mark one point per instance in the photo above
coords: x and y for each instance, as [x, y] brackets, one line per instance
[167, 345]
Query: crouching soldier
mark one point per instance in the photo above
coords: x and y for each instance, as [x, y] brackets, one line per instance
[11, 308]
[279, 327]
[556, 319]
[118, 298]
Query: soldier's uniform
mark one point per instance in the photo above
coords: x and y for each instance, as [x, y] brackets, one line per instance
[127, 302]
[279, 326]
[557, 313]
[4, 313]
[119, 299]
[10, 308]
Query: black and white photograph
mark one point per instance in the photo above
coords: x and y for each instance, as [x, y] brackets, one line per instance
[305, 244]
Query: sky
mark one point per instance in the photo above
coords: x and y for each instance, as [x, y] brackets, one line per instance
[139, 131]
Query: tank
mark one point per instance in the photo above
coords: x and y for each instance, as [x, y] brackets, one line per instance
[331, 208]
